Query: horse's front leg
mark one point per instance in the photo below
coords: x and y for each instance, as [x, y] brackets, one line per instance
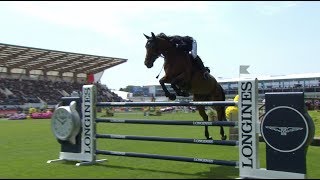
[166, 92]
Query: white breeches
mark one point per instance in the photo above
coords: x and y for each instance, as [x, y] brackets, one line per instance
[194, 48]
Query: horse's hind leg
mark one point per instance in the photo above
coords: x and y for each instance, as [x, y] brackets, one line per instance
[221, 117]
[204, 116]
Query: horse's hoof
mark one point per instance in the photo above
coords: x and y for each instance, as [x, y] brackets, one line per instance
[224, 137]
[172, 97]
[209, 137]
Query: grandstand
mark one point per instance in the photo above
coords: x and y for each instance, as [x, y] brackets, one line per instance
[40, 77]
[308, 83]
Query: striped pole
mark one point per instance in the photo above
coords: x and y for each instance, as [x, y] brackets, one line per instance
[183, 103]
[169, 122]
[168, 139]
[172, 158]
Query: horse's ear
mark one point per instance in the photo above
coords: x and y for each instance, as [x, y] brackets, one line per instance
[153, 36]
[146, 36]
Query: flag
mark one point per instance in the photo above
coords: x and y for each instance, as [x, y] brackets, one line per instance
[244, 69]
[94, 78]
[97, 76]
[90, 78]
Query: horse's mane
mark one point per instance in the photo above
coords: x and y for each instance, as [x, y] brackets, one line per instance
[163, 36]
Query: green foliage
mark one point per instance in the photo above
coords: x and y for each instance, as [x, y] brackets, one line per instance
[156, 112]
[109, 112]
[32, 110]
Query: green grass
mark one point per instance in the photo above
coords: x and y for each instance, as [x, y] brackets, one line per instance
[26, 145]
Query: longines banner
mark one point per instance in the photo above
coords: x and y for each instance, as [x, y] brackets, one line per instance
[287, 131]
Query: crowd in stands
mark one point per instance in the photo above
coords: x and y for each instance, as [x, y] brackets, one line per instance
[105, 95]
[313, 104]
[21, 91]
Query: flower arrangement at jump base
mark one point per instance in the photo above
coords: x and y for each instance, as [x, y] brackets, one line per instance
[32, 110]
[109, 112]
[152, 111]
[33, 114]
[17, 116]
[232, 111]
[232, 115]
[41, 115]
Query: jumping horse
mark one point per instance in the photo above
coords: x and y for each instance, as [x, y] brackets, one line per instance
[184, 77]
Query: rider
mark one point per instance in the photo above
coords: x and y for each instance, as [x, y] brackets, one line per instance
[189, 44]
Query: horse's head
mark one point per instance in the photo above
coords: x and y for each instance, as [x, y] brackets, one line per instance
[152, 50]
[155, 46]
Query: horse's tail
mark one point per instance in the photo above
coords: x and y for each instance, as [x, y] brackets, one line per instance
[223, 99]
[222, 92]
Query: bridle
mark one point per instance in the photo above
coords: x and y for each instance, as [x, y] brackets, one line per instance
[155, 46]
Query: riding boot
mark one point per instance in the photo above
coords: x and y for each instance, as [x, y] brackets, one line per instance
[205, 70]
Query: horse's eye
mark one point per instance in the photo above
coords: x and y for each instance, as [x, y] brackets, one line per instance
[149, 44]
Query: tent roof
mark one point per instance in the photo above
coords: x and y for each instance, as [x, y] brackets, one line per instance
[29, 58]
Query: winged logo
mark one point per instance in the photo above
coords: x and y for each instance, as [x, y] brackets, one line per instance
[284, 130]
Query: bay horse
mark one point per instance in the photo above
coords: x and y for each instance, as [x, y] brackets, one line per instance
[184, 77]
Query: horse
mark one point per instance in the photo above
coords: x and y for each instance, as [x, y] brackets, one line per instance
[184, 77]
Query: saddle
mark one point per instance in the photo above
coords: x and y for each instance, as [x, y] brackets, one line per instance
[185, 44]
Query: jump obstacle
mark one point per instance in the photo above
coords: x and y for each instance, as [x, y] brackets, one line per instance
[286, 128]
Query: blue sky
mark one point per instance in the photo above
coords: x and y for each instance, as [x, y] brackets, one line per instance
[274, 38]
